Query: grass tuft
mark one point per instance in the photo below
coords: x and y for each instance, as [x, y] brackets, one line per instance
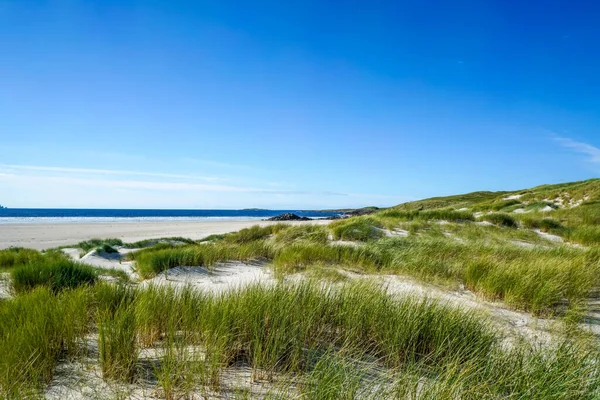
[500, 219]
[56, 274]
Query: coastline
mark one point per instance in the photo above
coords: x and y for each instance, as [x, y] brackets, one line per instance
[41, 236]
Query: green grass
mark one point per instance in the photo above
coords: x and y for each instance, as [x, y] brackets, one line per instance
[428, 215]
[360, 229]
[337, 342]
[117, 343]
[543, 224]
[501, 219]
[151, 262]
[153, 242]
[498, 204]
[55, 273]
[35, 330]
[486, 261]
[253, 234]
[17, 256]
[89, 245]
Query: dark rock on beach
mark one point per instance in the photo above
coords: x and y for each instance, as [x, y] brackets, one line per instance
[288, 217]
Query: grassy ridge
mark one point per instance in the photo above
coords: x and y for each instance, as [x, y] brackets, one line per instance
[537, 279]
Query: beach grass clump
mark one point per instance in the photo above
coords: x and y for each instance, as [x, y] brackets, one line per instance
[333, 377]
[359, 229]
[539, 205]
[443, 214]
[301, 234]
[55, 273]
[117, 343]
[89, 245]
[151, 262]
[500, 219]
[35, 330]
[585, 235]
[497, 205]
[543, 224]
[253, 234]
[174, 240]
[214, 237]
[298, 257]
[17, 256]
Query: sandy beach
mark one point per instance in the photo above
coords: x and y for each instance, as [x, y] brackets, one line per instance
[47, 235]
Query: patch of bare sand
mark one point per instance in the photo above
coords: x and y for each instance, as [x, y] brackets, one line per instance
[513, 197]
[221, 277]
[5, 287]
[104, 260]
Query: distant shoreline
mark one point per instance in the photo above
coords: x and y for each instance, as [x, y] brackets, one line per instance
[57, 215]
[42, 236]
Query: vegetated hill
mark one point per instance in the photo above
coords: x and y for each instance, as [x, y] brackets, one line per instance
[563, 195]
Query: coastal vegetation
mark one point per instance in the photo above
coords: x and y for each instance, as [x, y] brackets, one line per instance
[324, 327]
[347, 341]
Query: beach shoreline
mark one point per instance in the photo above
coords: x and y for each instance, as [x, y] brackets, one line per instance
[42, 236]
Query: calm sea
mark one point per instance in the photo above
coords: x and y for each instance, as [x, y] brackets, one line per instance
[58, 215]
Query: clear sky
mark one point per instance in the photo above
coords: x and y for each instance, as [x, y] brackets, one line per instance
[306, 104]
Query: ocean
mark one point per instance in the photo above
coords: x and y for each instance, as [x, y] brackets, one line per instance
[66, 215]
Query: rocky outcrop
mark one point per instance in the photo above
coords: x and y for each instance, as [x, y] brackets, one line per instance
[288, 217]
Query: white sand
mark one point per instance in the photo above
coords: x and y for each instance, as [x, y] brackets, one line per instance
[513, 197]
[221, 277]
[48, 235]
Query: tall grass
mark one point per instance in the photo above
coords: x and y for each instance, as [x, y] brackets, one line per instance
[533, 279]
[91, 244]
[54, 273]
[152, 262]
[347, 341]
[17, 256]
[427, 215]
[361, 229]
[117, 343]
[536, 279]
[35, 330]
[501, 219]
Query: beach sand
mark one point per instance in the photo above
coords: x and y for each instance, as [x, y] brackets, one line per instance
[44, 236]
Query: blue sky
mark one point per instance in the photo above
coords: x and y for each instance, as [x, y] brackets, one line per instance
[174, 104]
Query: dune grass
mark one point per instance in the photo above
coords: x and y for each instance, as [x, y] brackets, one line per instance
[336, 342]
[445, 214]
[535, 279]
[17, 256]
[151, 262]
[501, 219]
[55, 273]
[362, 229]
[117, 342]
[152, 242]
[35, 330]
[89, 245]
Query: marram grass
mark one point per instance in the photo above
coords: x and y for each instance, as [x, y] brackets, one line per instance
[345, 341]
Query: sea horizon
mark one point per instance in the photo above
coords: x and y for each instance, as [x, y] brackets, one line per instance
[90, 215]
